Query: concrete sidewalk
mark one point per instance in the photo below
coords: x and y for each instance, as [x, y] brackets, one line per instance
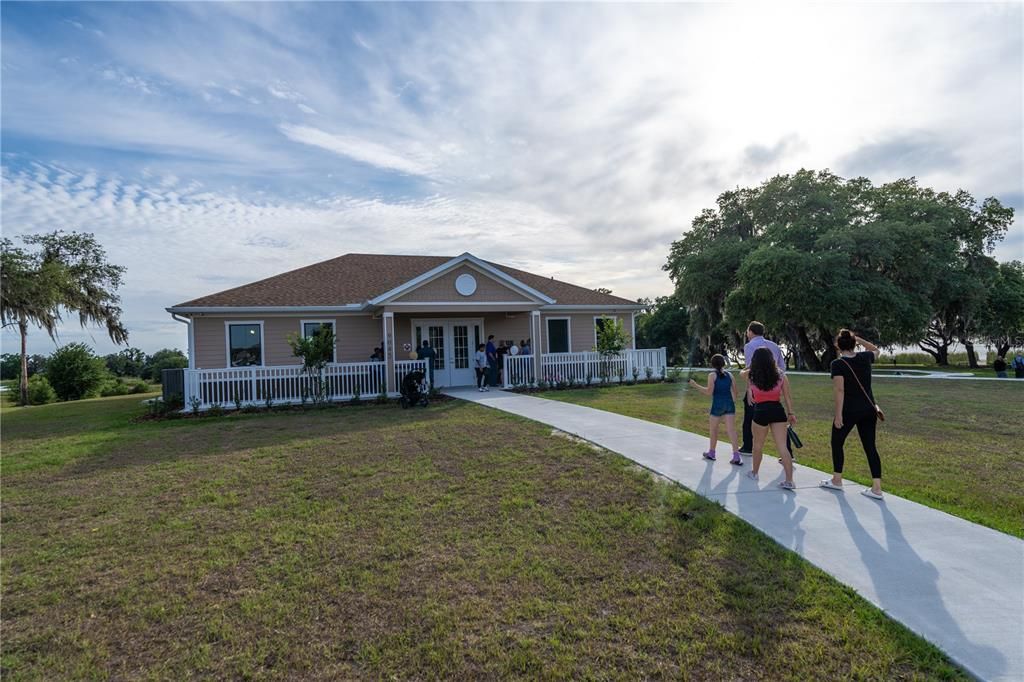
[957, 584]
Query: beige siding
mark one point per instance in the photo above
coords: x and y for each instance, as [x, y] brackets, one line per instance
[357, 336]
[503, 327]
[581, 329]
[442, 290]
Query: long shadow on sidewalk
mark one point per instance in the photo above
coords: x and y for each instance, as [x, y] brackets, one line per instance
[907, 589]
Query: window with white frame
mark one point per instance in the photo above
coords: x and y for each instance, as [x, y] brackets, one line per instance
[312, 327]
[245, 344]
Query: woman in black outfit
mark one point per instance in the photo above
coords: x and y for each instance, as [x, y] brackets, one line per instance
[855, 407]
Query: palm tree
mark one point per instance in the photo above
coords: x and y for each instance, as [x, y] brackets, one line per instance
[69, 272]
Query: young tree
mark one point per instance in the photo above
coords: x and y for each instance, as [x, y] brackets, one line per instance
[69, 272]
[316, 351]
[75, 372]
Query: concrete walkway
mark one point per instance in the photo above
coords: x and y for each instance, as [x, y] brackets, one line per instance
[957, 584]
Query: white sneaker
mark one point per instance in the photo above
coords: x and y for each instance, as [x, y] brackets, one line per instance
[868, 492]
[827, 483]
[751, 475]
[481, 389]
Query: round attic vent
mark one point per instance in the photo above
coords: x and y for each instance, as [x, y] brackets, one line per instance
[465, 284]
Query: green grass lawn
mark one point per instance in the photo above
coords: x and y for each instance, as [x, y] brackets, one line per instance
[373, 542]
[951, 444]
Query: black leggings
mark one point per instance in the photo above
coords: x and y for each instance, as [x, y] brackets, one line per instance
[480, 375]
[865, 423]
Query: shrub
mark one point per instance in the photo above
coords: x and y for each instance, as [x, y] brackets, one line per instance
[215, 410]
[75, 373]
[139, 386]
[175, 401]
[39, 390]
[166, 358]
[113, 386]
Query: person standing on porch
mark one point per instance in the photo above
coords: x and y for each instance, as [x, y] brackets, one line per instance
[492, 362]
[755, 340]
[425, 352]
[480, 364]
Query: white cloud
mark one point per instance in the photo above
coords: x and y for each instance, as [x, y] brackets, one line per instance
[375, 154]
[571, 140]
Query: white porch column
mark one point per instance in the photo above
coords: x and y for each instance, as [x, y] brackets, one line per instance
[388, 324]
[535, 343]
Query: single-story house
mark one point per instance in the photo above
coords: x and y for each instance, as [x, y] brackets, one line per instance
[238, 338]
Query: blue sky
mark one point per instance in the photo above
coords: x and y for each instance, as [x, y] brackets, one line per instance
[208, 145]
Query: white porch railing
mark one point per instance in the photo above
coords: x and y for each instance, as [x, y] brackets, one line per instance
[581, 368]
[518, 370]
[403, 367]
[288, 384]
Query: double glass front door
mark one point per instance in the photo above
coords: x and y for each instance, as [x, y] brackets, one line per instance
[454, 341]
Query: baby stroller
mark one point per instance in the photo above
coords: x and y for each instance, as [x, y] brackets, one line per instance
[414, 390]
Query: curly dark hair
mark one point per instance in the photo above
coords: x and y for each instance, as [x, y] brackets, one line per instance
[763, 372]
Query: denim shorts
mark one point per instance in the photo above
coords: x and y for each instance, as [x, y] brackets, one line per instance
[722, 406]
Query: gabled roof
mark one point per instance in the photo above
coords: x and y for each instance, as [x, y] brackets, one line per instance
[356, 279]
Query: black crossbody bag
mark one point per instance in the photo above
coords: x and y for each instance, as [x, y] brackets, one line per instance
[878, 410]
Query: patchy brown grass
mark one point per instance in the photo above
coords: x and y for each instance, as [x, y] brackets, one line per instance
[374, 542]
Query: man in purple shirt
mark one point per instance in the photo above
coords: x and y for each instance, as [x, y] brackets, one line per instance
[755, 340]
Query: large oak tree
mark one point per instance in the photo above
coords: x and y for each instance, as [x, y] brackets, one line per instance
[810, 252]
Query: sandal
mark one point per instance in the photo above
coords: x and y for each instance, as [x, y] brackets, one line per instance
[752, 475]
[827, 483]
[868, 492]
[787, 485]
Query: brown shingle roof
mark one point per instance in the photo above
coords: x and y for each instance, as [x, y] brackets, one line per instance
[359, 277]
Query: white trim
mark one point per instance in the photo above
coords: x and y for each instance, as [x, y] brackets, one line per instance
[478, 304]
[568, 332]
[632, 329]
[448, 265]
[334, 330]
[625, 307]
[191, 339]
[249, 310]
[227, 343]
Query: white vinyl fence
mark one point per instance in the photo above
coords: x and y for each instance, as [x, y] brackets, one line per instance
[588, 367]
[289, 384]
